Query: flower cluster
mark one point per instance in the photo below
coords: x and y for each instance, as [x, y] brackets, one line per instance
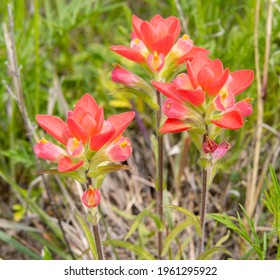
[204, 99]
[88, 140]
[156, 46]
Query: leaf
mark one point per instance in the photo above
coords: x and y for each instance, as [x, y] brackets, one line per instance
[88, 234]
[183, 246]
[189, 214]
[154, 142]
[72, 174]
[223, 239]
[19, 212]
[142, 95]
[140, 217]
[139, 251]
[173, 234]
[118, 103]
[209, 252]
[241, 230]
[101, 170]
[274, 180]
[16, 226]
[122, 213]
[46, 254]
[251, 225]
[255, 242]
[225, 220]
[18, 246]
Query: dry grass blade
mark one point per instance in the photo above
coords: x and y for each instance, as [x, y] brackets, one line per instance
[15, 75]
[251, 191]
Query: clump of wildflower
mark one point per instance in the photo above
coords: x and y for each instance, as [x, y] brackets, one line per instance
[88, 142]
[204, 99]
[156, 46]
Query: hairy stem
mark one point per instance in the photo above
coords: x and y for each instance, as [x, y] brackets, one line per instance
[159, 174]
[203, 204]
[107, 231]
[94, 219]
[97, 239]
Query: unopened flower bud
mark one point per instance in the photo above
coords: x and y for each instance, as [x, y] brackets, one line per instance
[123, 76]
[91, 197]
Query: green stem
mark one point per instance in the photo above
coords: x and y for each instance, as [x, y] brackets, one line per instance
[160, 192]
[206, 174]
[159, 174]
[107, 231]
[94, 219]
[97, 240]
[203, 205]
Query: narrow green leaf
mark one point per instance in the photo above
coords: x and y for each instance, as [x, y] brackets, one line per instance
[16, 226]
[140, 217]
[123, 214]
[183, 246]
[154, 142]
[189, 214]
[139, 251]
[46, 254]
[241, 230]
[173, 234]
[209, 252]
[101, 170]
[251, 225]
[274, 179]
[225, 220]
[18, 246]
[74, 174]
[88, 234]
[223, 239]
[143, 95]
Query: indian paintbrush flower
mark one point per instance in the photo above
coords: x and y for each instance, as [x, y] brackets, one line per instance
[155, 44]
[88, 141]
[202, 101]
[156, 47]
[206, 95]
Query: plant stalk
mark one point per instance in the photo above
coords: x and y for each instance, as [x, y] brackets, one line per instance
[159, 194]
[97, 239]
[203, 205]
[94, 219]
[106, 230]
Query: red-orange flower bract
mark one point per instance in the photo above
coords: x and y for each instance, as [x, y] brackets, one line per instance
[91, 197]
[206, 95]
[84, 133]
[155, 43]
